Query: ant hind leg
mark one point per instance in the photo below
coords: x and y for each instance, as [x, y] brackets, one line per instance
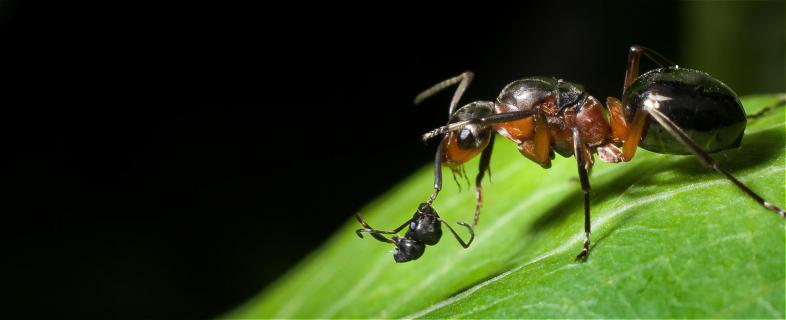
[584, 165]
[706, 159]
[634, 56]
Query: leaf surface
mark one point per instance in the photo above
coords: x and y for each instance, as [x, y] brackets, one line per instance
[670, 239]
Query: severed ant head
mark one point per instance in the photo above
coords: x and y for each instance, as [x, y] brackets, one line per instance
[425, 225]
[425, 228]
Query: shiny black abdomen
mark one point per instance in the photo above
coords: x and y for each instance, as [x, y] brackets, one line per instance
[705, 108]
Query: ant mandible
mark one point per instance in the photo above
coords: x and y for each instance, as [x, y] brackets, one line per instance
[693, 113]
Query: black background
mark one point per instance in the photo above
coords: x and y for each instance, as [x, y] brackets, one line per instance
[173, 160]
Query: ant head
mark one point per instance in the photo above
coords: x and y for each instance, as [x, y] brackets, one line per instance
[425, 226]
[407, 249]
[473, 135]
[425, 229]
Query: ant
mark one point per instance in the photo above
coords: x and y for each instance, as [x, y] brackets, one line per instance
[669, 110]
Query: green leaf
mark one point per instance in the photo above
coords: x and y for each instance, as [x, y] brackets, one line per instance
[670, 239]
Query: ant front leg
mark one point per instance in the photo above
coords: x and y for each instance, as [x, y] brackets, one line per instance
[539, 148]
[705, 158]
[485, 161]
[463, 80]
[584, 165]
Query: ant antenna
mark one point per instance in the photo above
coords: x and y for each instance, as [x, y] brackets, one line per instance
[444, 129]
[377, 234]
[464, 79]
[374, 233]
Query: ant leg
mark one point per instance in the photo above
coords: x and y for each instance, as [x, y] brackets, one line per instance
[457, 173]
[542, 141]
[438, 159]
[490, 119]
[633, 137]
[584, 165]
[485, 161]
[463, 80]
[634, 56]
[377, 234]
[705, 158]
[538, 149]
[619, 126]
[464, 175]
[461, 242]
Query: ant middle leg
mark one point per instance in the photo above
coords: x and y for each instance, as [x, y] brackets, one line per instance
[584, 165]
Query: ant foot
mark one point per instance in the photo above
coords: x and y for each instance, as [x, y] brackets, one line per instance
[582, 257]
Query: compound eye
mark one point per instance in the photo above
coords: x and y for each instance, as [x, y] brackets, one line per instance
[470, 137]
[407, 250]
[426, 227]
